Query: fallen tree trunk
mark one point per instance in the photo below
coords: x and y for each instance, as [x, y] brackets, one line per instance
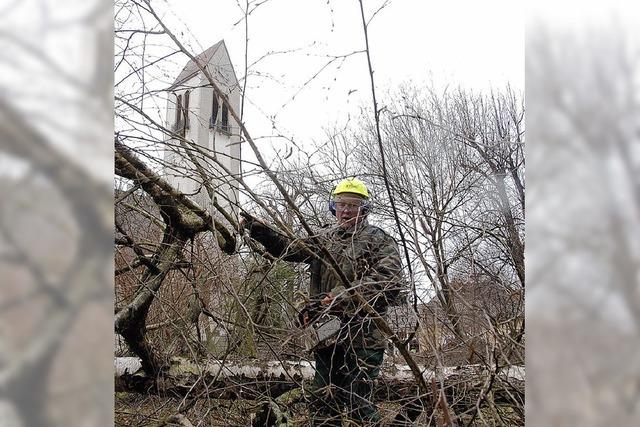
[254, 379]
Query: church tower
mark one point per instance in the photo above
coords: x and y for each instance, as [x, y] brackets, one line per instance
[211, 136]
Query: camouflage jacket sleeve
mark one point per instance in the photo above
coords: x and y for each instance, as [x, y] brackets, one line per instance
[279, 245]
[379, 277]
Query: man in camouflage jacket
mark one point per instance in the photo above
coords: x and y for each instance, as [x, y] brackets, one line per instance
[369, 259]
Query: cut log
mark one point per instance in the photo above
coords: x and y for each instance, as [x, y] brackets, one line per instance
[254, 379]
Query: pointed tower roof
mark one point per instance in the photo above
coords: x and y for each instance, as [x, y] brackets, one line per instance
[191, 69]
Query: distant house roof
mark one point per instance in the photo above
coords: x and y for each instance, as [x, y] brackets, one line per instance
[478, 297]
[191, 69]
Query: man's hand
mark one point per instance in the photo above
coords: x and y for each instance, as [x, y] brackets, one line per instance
[304, 316]
[305, 319]
[333, 304]
[311, 311]
[328, 299]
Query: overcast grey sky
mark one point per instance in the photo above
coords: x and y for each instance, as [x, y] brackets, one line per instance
[463, 42]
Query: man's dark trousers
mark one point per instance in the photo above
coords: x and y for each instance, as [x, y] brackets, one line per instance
[344, 379]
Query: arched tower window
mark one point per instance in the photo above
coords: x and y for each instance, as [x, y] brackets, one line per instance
[215, 106]
[178, 109]
[185, 113]
[224, 125]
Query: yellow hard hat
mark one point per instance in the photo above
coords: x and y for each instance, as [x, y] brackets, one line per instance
[351, 185]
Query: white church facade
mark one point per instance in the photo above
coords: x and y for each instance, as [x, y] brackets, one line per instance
[195, 113]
